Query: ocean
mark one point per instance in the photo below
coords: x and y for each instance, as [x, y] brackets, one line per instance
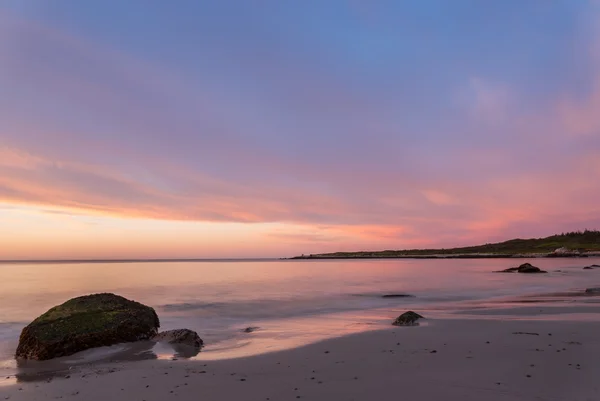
[291, 302]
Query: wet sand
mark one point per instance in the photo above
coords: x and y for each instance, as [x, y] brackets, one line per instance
[456, 359]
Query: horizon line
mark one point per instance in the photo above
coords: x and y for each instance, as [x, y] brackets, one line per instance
[130, 260]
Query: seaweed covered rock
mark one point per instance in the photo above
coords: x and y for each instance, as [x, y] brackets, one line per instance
[409, 318]
[524, 268]
[180, 336]
[86, 322]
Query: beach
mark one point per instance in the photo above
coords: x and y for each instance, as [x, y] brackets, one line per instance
[299, 200]
[461, 359]
[324, 332]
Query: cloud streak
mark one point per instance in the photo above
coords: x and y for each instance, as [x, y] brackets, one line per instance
[295, 133]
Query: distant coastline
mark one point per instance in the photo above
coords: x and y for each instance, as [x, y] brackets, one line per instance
[579, 244]
[448, 256]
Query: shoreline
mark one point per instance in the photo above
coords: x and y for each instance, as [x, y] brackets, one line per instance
[453, 359]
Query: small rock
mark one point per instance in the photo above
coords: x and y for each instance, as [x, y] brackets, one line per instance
[180, 336]
[250, 329]
[524, 268]
[407, 319]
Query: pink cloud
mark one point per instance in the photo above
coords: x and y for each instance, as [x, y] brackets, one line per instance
[378, 194]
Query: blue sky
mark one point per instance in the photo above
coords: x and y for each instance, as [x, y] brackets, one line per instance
[354, 123]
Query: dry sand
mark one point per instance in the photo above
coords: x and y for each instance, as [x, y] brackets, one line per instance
[462, 360]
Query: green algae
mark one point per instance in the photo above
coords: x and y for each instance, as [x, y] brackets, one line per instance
[86, 322]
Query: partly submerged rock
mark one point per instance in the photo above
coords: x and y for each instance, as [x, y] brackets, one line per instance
[180, 336]
[524, 268]
[397, 296]
[408, 319]
[250, 329]
[529, 268]
[86, 322]
[593, 291]
[509, 270]
[591, 267]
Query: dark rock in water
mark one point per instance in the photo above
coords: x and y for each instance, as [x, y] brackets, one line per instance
[86, 322]
[590, 267]
[524, 268]
[509, 270]
[250, 329]
[180, 336]
[528, 268]
[408, 319]
[593, 291]
[397, 296]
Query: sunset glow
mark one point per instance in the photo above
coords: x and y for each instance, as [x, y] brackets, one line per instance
[231, 129]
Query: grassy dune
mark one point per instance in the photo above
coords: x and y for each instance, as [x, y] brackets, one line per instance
[577, 242]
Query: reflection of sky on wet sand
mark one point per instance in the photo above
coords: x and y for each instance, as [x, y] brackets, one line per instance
[102, 360]
[8, 381]
[95, 361]
[83, 362]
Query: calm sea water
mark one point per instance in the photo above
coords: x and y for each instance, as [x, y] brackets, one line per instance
[292, 302]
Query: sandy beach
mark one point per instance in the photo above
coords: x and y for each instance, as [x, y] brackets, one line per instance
[458, 359]
[299, 200]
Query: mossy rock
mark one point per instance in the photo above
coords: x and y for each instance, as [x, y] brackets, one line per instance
[86, 322]
[409, 318]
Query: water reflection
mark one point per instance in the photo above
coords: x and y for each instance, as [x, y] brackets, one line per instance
[96, 361]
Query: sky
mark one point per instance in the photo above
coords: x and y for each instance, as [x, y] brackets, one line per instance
[211, 129]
